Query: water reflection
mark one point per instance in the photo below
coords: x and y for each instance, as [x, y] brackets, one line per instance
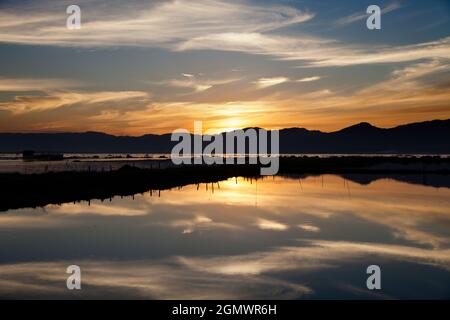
[273, 238]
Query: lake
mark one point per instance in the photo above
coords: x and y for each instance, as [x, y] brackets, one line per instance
[309, 237]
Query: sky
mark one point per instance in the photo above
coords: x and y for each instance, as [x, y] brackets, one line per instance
[138, 67]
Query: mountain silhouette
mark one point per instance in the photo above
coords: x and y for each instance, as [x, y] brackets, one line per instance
[423, 137]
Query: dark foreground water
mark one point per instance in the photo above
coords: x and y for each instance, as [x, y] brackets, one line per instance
[277, 238]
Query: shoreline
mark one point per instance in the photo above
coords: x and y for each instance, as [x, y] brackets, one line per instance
[37, 190]
[115, 162]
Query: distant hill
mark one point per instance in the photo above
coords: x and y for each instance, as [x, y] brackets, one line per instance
[424, 137]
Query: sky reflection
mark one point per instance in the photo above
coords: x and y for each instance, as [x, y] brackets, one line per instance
[278, 237]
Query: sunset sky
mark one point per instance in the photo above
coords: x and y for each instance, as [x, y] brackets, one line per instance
[139, 67]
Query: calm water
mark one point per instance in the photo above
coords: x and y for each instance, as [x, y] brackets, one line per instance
[281, 238]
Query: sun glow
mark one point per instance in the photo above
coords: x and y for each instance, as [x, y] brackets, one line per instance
[230, 125]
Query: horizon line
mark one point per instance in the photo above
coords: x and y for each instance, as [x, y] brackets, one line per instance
[221, 132]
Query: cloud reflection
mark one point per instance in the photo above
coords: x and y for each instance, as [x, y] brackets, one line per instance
[271, 238]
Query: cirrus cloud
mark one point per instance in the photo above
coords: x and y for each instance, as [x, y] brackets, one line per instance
[204, 24]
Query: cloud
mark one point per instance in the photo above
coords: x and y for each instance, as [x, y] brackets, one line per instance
[317, 52]
[144, 279]
[318, 255]
[439, 49]
[255, 271]
[309, 228]
[55, 100]
[405, 83]
[203, 24]
[394, 5]
[266, 224]
[142, 23]
[30, 84]
[200, 223]
[268, 82]
[94, 209]
[251, 275]
[192, 84]
[197, 84]
[415, 92]
[309, 79]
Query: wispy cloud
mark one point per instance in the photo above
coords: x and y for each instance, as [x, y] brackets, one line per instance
[417, 91]
[439, 49]
[309, 227]
[143, 23]
[320, 255]
[199, 223]
[406, 81]
[317, 52]
[239, 276]
[309, 79]
[269, 82]
[205, 24]
[29, 84]
[197, 84]
[55, 100]
[266, 224]
[143, 279]
[273, 81]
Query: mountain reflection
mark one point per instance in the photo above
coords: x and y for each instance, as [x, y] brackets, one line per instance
[281, 237]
